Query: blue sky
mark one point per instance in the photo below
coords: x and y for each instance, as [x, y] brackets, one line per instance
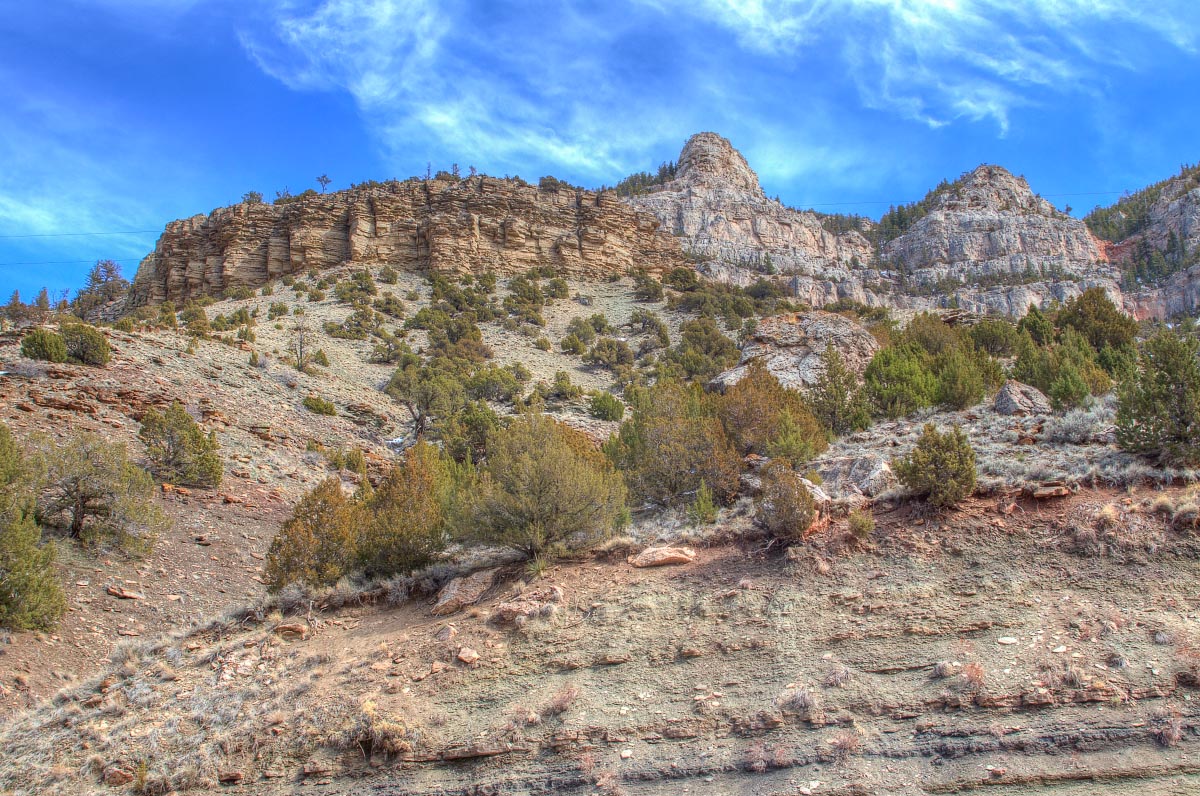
[121, 115]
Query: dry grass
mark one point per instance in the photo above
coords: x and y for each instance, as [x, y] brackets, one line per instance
[845, 745]
[973, 676]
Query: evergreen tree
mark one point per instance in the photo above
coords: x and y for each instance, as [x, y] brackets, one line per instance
[1158, 413]
[178, 449]
[836, 400]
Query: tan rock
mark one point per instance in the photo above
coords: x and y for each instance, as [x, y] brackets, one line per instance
[663, 556]
[445, 224]
[463, 591]
[115, 776]
[468, 655]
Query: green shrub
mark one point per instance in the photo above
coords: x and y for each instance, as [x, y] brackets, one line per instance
[960, 383]
[562, 388]
[861, 524]
[606, 406]
[124, 325]
[703, 351]
[703, 510]
[941, 468]
[557, 288]
[582, 330]
[320, 358]
[388, 275]
[784, 507]
[571, 344]
[320, 406]
[646, 287]
[836, 400]
[760, 415]
[426, 392]
[277, 310]
[97, 495]
[899, 380]
[31, 597]
[1101, 323]
[318, 544]
[671, 442]
[407, 514]
[546, 489]
[239, 293]
[179, 451]
[996, 336]
[1037, 326]
[543, 343]
[45, 345]
[195, 319]
[609, 353]
[1158, 410]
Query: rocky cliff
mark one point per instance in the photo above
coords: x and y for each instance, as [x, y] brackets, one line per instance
[717, 207]
[444, 224]
[987, 243]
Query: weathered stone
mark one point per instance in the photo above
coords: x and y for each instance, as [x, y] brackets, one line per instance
[463, 591]
[445, 224]
[1020, 399]
[116, 776]
[663, 556]
[530, 604]
[791, 345]
[468, 655]
[716, 205]
[870, 475]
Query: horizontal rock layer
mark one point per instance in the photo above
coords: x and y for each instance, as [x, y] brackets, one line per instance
[459, 226]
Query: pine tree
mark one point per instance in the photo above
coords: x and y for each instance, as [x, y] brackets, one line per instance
[1158, 413]
[178, 449]
[836, 400]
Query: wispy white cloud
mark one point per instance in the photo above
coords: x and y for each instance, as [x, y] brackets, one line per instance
[422, 70]
[67, 170]
[939, 60]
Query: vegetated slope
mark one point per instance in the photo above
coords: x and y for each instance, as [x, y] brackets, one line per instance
[1154, 235]
[973, 648]
[273, 448]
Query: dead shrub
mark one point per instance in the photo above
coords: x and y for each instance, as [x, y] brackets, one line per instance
[845, 744]
[973, 675]
[561, 702]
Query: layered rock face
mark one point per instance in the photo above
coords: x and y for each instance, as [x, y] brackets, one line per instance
[471, 225]
[717, 207]
[1176, 211]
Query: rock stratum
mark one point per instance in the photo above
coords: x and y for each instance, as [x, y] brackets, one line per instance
[984, 242]
[445, 224]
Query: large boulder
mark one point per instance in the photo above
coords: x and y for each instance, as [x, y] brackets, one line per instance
[845, 476]
[663, 556]
[1020, 399]
[463, 591]
[791, 345]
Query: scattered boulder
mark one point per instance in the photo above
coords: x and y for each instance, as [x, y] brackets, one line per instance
[463, 591]
[791, 345]
[1020, 399]
[663, 556]
[870, 475]
[115, 776]
[125, 594]
[531, 604]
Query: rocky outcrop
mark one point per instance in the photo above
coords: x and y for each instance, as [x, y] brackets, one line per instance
[988, 233]
[847, 476]
[1020, 399]
[1007, 247]
[717, 207]
[444, 224]
[791, 346]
